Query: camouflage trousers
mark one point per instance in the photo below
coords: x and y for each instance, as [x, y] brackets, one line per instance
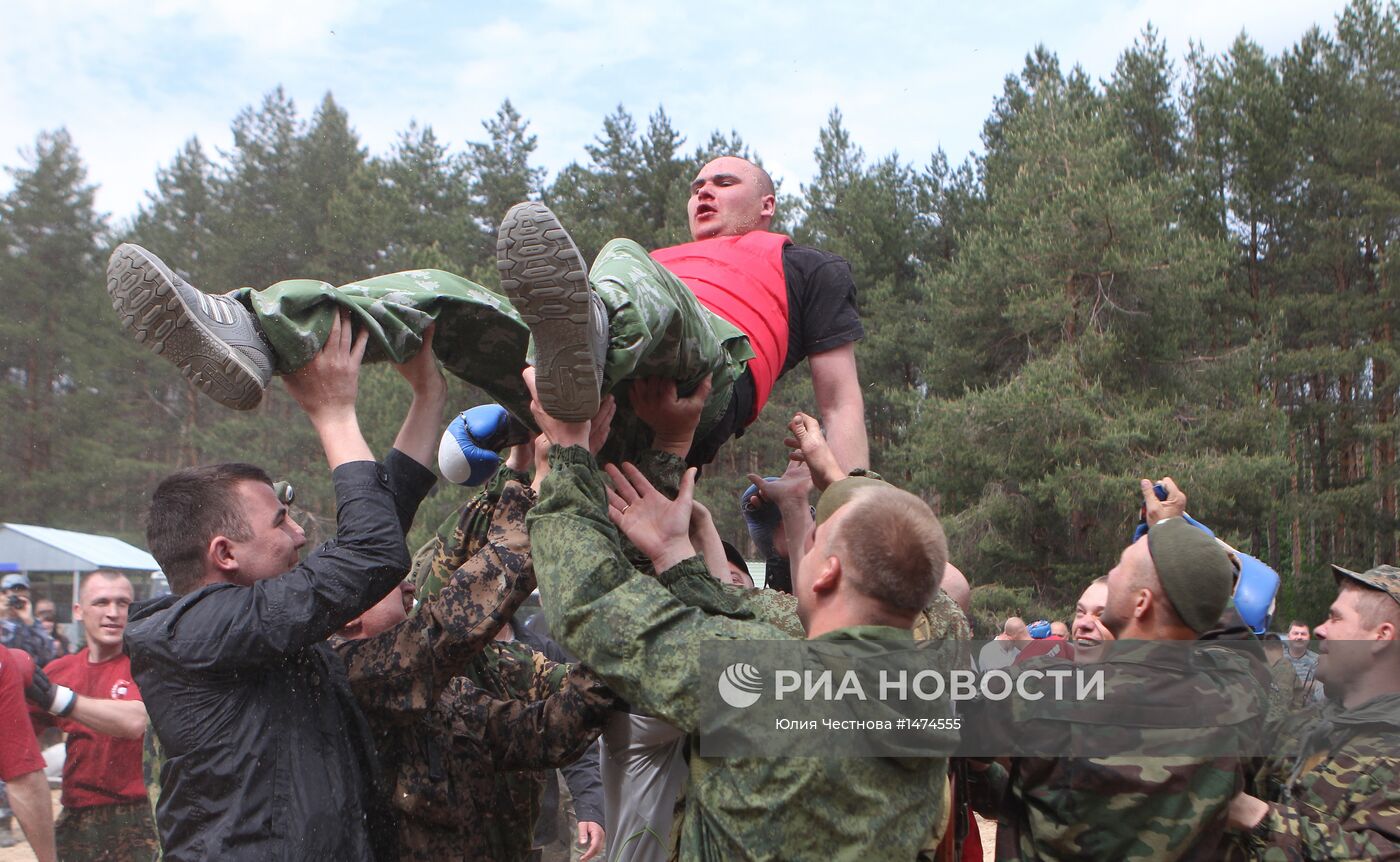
[124, 832]
[656, 327]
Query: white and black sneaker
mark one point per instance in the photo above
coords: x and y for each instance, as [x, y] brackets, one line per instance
[543, 274]
[213, 340]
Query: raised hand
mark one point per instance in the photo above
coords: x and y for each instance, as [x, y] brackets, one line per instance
[326, 388]
[672, 419]
[809, 446]
[657, 525]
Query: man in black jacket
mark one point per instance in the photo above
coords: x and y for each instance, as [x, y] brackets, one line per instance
[267, 754]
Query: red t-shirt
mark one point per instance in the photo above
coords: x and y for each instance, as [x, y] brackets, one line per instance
[98, 769]
[19, 750]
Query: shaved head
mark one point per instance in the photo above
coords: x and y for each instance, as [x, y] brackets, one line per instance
[730, 196]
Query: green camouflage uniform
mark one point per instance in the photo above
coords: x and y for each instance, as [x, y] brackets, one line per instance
[152, 759]
[941, 625]
[656, 328]
[1127, 807]
[646, 644]
[123, 832]
[1335, 792]
[1286, 692]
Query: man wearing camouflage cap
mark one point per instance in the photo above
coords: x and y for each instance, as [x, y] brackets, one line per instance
[1340, 796]
[1171, 585]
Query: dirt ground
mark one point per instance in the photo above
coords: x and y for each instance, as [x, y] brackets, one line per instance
[21, 853]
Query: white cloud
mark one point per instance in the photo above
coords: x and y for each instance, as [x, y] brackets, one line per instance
[133, 82]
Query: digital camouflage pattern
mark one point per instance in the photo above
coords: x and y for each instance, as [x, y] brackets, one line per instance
[515, 717]
[124, 832]
[656, 328]
[1335, 794]
[645, 644]
[401, 678]
[1135, 807]
[941, 626]
[401, 672]
[461, 535]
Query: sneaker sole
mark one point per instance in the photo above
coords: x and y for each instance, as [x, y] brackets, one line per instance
[144, 296]
[543, 274]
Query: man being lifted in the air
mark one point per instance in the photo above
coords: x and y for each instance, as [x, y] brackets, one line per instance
[763, 305]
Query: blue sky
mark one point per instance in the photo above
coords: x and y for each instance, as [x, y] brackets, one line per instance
[132, 82]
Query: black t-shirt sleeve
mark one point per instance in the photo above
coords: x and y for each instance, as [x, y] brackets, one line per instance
[822, 310]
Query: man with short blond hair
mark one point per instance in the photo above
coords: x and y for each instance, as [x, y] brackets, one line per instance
[106, 815]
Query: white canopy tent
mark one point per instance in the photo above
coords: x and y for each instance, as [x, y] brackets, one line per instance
[44, 550]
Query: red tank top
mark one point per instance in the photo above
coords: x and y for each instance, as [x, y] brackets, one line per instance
[740, 278]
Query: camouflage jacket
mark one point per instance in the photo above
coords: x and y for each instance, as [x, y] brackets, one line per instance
[463, 534]
[942, 620]
[399, 674]
[404, 678]
[1125, 807]
[646, 645]
[515, 715]
[1341, 796]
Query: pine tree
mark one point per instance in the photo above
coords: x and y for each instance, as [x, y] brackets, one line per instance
[51, 280]
[499, 174]
[329, 158]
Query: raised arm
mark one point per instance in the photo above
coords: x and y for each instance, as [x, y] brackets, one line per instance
[231, 625]
[836, 385]
[403, 670]
[326, 388]
[418, 436]
[636, 636]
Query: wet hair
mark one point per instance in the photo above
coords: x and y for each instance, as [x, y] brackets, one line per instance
[190, 508]
[765, 179]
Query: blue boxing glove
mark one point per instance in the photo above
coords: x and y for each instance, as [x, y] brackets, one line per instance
[1255, 593]
[469, 453]
[762, 518]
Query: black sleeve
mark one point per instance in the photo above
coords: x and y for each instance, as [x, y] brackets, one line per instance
[586, 785]
[410, 482]
[245, 626]
[34, 640]
[777, 574]
[822, 309]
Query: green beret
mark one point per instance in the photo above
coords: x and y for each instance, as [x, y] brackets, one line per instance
[1194, 571]
[839, 493]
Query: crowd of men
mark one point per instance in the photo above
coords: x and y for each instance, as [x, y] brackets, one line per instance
[362, 702]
